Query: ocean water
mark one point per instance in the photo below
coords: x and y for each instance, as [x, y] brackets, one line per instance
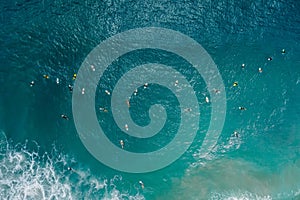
[43, 37]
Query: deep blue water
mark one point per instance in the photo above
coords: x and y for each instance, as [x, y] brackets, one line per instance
[53, 38]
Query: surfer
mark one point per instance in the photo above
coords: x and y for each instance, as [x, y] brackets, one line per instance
[217, 91]
[65, 117]
[93, 68]
[142, 184]
[74, 76]
[107, 92]
[145, 85]
[207, 99]
[45, 76]
[187, 110]
[122, 144]
[103, 109]
[128, 103]
[31, 83]
[82, 90]
[242, 108]
[236, 134]
[70, 88]
[57, 81]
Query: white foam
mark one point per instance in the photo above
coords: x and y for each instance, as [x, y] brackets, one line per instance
[27, 175]
[240, 195]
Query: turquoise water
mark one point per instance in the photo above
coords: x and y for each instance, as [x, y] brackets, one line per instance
[54, 37]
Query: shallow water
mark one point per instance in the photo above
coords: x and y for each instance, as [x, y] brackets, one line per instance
[54, 37]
